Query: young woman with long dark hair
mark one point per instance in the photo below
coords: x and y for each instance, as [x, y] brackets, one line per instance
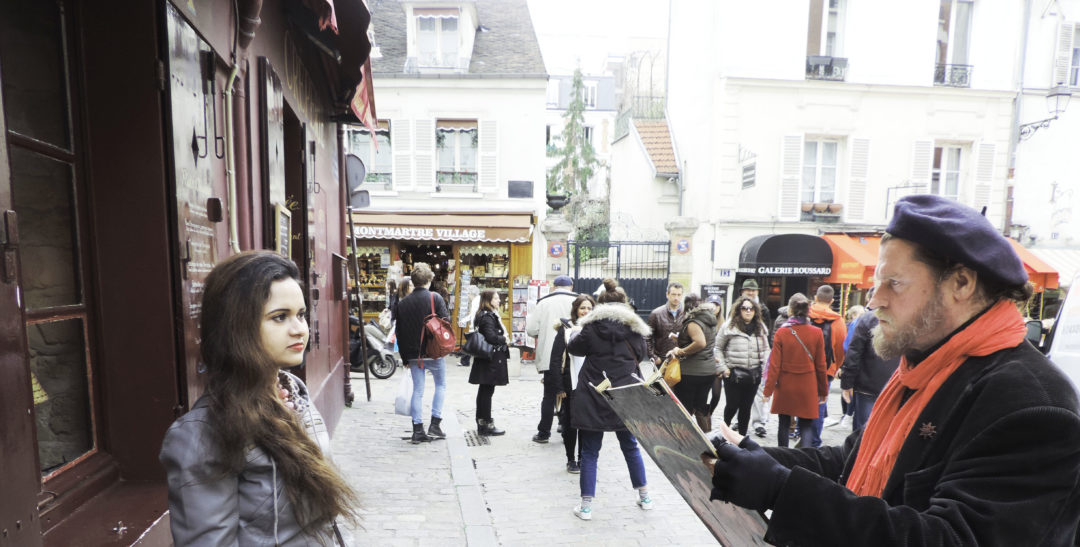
[248, 464]
[488, 373]
[742, 349]
[559, 377]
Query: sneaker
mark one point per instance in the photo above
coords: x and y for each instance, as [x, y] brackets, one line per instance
[760, 432]
[645, 504]
[541, 438]
[834, 422]
[844, 420]
[573, 467]
[583, 514]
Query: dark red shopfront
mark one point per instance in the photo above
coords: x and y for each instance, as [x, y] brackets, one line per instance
[129, 167]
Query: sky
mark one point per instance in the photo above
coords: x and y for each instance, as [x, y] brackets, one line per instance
[586, 31]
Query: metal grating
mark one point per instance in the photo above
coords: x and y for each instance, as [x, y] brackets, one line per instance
[472, 438]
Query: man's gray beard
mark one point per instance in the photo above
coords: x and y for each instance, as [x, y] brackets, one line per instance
[927, 320]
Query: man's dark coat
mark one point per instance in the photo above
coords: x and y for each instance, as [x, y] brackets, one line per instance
[994, 459]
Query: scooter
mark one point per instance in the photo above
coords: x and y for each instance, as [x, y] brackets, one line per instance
[378, 358]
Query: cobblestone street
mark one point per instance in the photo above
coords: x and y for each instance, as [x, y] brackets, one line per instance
[509, 492]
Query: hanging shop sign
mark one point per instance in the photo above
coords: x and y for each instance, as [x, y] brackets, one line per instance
[405, 232]
[786, 270]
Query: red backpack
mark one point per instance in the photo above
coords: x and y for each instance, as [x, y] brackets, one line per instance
[440, 337]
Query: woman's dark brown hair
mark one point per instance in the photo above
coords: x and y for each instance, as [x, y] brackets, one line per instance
[612, 292]
[243, 402]
[798, 305]
[735, 317]
[576, 306]
[487, 296]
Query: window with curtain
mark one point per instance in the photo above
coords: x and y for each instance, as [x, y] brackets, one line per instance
[945, 176]
[953, 42]
[376, 153]
[819, 171]
[456, 146]
[437, 40]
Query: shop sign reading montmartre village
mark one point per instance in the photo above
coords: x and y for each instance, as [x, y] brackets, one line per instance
[787, 270]
[412, 233]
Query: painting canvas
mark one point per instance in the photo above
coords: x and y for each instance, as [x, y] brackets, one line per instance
[672, 439]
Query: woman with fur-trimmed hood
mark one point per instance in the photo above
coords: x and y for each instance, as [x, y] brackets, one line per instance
[612, 340]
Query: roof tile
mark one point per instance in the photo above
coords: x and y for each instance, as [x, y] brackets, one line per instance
[657, 140]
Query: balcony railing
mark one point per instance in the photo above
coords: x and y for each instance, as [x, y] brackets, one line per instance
[644, 107]
[455, 181]
[821, 67]
[953, 75]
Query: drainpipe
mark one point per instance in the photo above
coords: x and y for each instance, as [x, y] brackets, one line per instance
[230, 159]
[1014, 130]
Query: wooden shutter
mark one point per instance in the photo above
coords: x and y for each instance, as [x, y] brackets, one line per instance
[424, 155]
[401, 146]
[858, 176]
[791, 152]
[1063, 53]
[489, 156]
[984, 174]
[922, 164]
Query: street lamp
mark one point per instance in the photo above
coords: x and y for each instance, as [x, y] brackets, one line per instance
[1056, 102]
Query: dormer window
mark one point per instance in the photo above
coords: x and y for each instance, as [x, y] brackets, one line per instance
[437, 38]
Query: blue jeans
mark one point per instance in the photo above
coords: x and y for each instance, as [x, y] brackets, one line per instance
[864, 404]
[811, 436]
[590, 452]
[438, 372]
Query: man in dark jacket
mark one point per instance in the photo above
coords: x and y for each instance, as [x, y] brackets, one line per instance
[411, 312]
[972, 442]
[663, 321]
[864, 372]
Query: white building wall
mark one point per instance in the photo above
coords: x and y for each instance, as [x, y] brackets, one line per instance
[640, 202]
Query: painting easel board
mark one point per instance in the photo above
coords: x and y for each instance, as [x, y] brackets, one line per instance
[672, 439]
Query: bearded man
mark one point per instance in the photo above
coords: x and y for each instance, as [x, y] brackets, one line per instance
[975, 440]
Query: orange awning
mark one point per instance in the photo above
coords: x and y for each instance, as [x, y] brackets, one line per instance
[1041, 274]
[854, 259]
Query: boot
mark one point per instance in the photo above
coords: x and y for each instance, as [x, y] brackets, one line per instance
[434, 431]
[418, 435]
[487, 428]
[704, 421]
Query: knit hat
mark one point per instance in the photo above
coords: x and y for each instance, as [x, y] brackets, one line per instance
[563, 281]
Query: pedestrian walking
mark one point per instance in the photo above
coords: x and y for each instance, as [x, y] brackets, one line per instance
[612, 341]
[973, 439]
[751, 290]
[694, 349]
[488, 373]
[797, 373]
[538, 322]
[560, 373]
[665, 320]
[742, 350]
[412, 310]
[847, 408]
[864, 373]
[249, 464]
[834, 331]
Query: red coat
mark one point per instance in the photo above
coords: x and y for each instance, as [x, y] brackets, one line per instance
[797, 381]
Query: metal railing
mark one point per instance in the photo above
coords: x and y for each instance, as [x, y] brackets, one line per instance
[647, 107]
[822, 67]
[953, 75]
[455, 181]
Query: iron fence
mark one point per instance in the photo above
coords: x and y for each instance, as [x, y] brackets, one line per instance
[640, 267]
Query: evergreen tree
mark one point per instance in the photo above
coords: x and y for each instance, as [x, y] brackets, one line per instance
[577, 158]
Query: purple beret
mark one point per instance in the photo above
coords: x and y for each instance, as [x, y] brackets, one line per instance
[952, 229]
[563, 281]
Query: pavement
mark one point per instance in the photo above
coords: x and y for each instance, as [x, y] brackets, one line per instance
[507, 491]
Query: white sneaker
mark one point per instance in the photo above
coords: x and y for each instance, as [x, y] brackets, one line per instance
[844, 420]
[835, 422]
[645, 504]
[583, 514]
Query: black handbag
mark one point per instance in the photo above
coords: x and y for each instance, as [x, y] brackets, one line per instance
[477, 346]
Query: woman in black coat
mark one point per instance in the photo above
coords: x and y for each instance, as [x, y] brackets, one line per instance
[612, 340]
[488, 373]
[558, 377]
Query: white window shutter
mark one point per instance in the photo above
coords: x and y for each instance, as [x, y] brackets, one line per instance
[922, 164]
[984, 174]
[858, 176]
[401, 146]
[1063, 53]
[424, 155]
[791, 152]
[489, 155]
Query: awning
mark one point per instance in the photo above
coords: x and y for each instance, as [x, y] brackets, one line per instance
[423, 226]
[1041, 274]
[1066, 261]
[785, 255]
[854, 259]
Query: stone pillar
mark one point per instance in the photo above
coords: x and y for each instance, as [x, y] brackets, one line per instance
[682, 231]
[556, 230]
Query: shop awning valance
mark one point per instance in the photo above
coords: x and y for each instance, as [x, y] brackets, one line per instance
[854, 259]
[433, 226]
[448, 13]
[456, 125]
[1041, 274]
[484, 250]
[1065, 261]
[785, 255]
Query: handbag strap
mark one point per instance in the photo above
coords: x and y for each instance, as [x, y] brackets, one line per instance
[802, 344]
[633, 352]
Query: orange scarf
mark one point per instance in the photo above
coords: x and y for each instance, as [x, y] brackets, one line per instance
[889, 425]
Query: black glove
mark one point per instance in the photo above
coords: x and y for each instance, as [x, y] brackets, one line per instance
[747, 476]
